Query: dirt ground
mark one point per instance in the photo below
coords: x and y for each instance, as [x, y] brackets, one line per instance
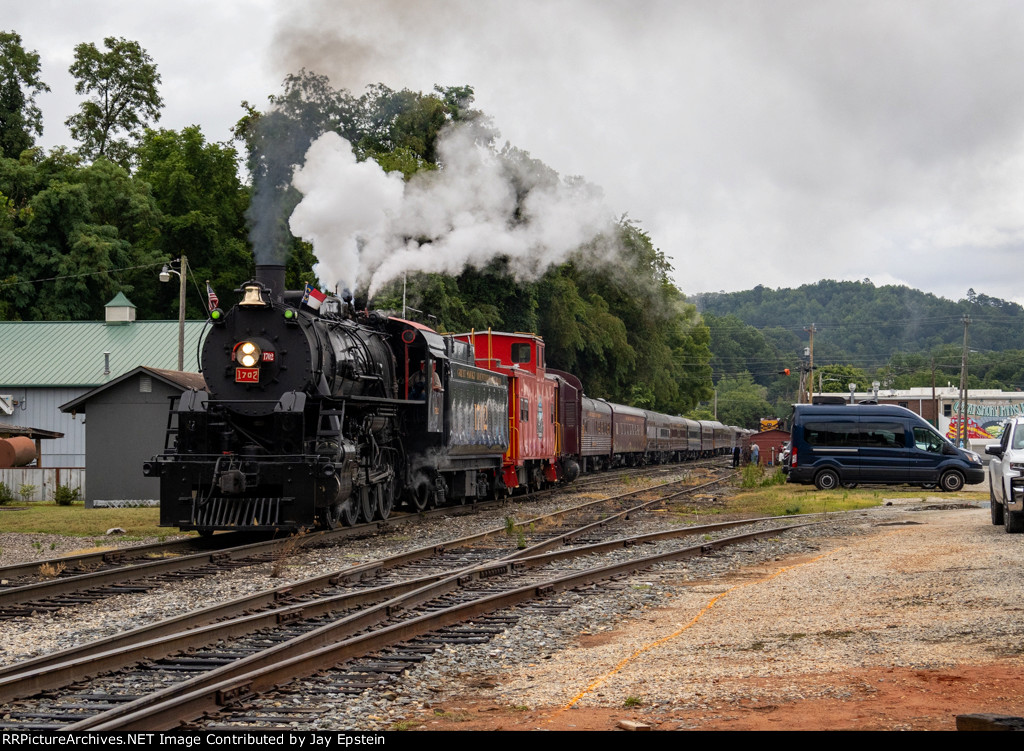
[986, 677]
[880, 699]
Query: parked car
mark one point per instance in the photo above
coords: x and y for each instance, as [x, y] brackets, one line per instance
[836, 444]
[1006, 476]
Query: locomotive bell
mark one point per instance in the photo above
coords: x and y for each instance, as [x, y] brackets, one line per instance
[253, 296]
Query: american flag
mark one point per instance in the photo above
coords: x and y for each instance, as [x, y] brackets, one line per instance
[211, 295]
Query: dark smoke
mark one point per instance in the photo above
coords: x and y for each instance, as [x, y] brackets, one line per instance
[277, 142]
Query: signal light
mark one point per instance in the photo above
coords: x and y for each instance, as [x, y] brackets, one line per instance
[784, 371]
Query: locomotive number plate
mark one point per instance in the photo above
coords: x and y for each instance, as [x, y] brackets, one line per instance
[247, 375]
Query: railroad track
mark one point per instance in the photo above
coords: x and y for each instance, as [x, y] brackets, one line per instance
[347, 612]
[50, 585]
[238, 670]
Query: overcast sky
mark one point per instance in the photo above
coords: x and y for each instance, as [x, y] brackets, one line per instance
[771, 142]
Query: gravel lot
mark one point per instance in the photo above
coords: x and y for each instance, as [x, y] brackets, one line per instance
[898, 618]
[892, 618]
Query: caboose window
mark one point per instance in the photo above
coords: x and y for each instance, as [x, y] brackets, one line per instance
[524, 410]
[520, 352]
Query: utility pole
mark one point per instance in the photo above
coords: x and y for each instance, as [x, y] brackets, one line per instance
[810, 367]
[181, 312]
[961, 433]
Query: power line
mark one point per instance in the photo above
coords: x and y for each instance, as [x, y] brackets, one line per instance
[78, 276]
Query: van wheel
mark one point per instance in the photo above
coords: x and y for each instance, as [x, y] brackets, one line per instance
[1014, 522]
[827, 479]
[952, 481]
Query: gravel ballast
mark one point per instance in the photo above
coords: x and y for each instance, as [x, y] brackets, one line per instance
[916, 586]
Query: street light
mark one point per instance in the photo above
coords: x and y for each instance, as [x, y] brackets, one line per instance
[165, 276]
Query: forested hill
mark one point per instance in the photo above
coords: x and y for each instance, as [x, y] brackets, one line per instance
[860, 322]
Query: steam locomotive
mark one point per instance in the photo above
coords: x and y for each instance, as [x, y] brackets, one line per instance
[321, 415]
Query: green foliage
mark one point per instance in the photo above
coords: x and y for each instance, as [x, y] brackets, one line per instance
[86, 229]
[202, 207]
[65, 495]
[741, 401]
[123, 83]
[857, 322]
[25, 491]
[6, 496]
[837, 378]
[20, 116]
[760, 476]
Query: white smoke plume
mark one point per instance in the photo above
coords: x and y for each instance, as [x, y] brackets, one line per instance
[368, 227]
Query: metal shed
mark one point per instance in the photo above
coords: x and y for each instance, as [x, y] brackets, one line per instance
[127, 420]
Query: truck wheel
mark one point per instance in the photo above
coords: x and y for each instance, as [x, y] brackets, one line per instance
[995, 506]
[827, 479]
[1014, 522]
[952, 481]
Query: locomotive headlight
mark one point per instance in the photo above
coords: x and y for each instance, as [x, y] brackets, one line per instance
[248, 355]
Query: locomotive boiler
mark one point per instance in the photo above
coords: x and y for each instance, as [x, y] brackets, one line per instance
[298, 423]
[316, 415]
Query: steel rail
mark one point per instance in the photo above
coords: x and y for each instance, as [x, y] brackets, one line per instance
[185, 631]
[165, 639]
[316, 651]
[28, 594]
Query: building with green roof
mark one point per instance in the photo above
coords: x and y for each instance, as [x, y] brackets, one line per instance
[48, 363]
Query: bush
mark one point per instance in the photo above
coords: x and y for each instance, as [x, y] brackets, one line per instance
[760, 476]
[6, 496]
[65, 495]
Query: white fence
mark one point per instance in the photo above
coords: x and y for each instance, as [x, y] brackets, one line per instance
[39, 483]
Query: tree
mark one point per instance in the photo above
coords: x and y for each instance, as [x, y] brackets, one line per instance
[202, 213]
[72, 236]
[20, 117]
[742, 402]
[836, 379]
[123, 84]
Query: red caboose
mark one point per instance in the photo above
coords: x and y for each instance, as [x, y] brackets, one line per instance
[533, 423]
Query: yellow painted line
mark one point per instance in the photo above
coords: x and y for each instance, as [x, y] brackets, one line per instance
[646, 648]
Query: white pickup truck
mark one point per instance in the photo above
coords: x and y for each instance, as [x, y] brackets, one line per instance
[1006, 476]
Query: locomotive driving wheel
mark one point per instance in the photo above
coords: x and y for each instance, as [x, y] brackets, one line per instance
[368, 502]
[386, 497]
[350, 512]
[330, 517]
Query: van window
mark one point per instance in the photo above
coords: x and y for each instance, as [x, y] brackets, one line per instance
[831, 433]
[883, 434]
[927, 440]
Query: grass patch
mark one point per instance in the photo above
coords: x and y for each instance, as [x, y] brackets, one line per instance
[402, 725]
[77, 521]
[453, 716]
[633, 701]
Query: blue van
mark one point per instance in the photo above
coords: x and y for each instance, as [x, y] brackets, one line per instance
[839, 444]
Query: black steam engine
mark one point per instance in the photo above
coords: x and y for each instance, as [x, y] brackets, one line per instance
[321, 417]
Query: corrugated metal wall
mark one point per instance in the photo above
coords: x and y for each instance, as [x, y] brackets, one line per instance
[40, 408]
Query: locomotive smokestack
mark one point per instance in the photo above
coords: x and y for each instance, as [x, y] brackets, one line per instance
[271, 275]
